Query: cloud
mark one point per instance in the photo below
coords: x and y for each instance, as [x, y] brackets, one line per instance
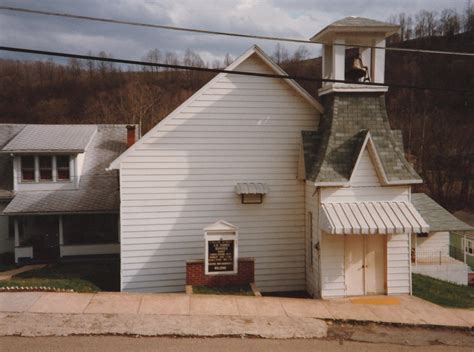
[283, 18]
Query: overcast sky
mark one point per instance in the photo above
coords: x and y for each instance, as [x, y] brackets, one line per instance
[285, 18]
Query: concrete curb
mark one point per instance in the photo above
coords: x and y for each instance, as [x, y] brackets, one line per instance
[33, 325]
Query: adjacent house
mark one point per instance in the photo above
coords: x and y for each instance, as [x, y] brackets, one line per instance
[56, 198]
[432, 254]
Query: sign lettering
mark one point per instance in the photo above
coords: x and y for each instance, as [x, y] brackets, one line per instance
[220, 256]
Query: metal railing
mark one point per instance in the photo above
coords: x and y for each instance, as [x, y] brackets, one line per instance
[431, 257]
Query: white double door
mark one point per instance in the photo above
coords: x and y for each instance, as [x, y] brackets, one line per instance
[365, 263]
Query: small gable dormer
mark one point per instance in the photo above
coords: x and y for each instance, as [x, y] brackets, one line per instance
[49, 157]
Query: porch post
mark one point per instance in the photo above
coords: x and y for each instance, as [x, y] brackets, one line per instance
[61, 234]
[464, 250]
[416, 249]
[17, 232]
[119, 230]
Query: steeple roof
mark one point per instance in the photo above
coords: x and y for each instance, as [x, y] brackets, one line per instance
[355, 24]
[331, 152]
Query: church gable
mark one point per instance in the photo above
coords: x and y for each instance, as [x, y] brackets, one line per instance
[241, 103]
[364, 173]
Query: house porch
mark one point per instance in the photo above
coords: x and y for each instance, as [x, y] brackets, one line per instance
[51, 237]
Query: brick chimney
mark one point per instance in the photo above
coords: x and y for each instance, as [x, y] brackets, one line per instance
[130, 135]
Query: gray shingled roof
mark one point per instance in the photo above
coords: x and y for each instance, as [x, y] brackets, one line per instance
[436, 216]
[330, 152]
[46, 138]
[98, 190]
[355, 21]
[7, 132]
[358, 24]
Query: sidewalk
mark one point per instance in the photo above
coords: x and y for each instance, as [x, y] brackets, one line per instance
[219, 311]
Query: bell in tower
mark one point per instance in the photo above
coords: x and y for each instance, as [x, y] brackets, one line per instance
[353, 51]
[355, 70]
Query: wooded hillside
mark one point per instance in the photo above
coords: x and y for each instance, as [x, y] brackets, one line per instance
[438, 127]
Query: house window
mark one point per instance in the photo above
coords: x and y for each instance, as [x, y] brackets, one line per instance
[252, 198]
[62, 166]
[46, 168]
[469, 246]
[27, 168]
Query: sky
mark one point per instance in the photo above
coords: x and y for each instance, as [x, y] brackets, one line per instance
[283, 18]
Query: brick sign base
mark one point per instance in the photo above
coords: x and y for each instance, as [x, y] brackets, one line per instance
[195, 275]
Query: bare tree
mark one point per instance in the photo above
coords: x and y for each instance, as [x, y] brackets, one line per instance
[153, 56]
[228, 59]
[105, 67]
[280, 55]
[300, 54]
[426, 23]
[450, 23]
[409, 28]
[469, 17]
[216, 64]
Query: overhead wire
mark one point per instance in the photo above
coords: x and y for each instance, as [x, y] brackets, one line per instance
[217, 70]
[229, 34]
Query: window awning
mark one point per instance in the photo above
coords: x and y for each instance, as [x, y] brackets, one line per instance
[371, 218]
[250, 188]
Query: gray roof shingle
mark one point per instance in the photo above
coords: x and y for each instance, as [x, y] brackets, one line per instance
[436, 216]
[331, 151]
[46, 138]
[355, 23]
[98, 189]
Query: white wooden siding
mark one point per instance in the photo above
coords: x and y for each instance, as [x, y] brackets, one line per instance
[435, 242]
[89, 249]
[182, 178]
[364, 173]
[398, 264]
[312, 271]
[332, 266]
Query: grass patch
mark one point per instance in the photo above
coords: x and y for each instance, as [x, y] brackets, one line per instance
[240, 290]
[7, 267]
[88, 276]
[442, 292]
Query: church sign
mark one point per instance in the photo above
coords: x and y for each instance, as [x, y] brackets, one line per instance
[221, 249]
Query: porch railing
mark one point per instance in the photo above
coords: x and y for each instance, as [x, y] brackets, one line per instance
[431, 257]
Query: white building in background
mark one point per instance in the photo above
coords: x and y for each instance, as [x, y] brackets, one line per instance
[320, 192]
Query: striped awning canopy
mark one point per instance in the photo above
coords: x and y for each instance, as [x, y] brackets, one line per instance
[250, 188]
[371, 218]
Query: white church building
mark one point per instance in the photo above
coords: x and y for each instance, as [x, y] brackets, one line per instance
[320, 191]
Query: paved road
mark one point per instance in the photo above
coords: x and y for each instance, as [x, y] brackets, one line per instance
[118, 344]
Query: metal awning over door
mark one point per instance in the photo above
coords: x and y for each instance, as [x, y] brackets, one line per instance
[354, 218]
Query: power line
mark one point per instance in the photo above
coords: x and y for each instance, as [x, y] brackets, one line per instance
[217, 70]
[229, 34]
